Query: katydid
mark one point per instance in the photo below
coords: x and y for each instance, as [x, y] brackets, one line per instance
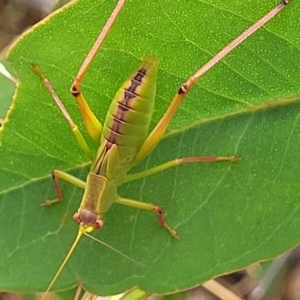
[123, 139]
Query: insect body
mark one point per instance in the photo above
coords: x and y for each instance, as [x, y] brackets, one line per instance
[124, 131]
[123, 139]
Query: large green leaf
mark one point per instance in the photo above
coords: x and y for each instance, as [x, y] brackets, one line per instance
[227, 215]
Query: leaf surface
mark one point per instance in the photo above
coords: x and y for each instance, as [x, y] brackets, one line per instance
[227, 215]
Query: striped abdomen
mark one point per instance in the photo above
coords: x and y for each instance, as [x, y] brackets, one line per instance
[127, 123]
[128, 118]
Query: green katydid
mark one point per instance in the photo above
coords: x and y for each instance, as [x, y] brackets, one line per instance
[123, 139]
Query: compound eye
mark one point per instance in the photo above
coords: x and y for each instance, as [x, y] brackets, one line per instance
[76, 218]
[98, 224]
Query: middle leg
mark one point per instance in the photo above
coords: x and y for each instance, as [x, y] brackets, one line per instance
[177, 162]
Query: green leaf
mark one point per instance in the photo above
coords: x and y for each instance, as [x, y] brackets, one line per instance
[227, 215]
[7, 90]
